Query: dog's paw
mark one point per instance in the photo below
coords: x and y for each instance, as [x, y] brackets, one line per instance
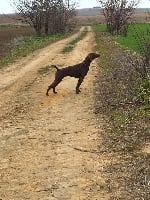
[78, 91]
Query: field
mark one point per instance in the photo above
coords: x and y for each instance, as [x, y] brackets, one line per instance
[11, 35]
[138, 34]
[12, 32]
[19, 41]
[94, 16]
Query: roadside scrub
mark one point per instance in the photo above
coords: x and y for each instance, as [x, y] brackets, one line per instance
[138, 39]
[117, 90]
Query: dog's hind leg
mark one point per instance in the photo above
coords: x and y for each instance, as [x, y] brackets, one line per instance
[53, 85]
[50, 87]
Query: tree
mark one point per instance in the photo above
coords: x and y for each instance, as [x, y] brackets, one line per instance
[117, 13]
[31, 11]
[52, 16]
[57, 15]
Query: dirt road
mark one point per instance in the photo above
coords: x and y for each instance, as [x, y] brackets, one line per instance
[49, 145]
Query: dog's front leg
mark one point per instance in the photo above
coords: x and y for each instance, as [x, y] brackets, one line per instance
[78, 85]
[49, 87]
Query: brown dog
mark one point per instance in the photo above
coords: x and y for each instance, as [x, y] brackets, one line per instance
[77, 71]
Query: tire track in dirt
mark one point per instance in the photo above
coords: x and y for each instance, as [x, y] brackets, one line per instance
[49, 145]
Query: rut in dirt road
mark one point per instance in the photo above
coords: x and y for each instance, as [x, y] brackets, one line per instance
[49, 145]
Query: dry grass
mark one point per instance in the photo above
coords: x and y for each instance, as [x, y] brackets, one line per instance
[89, 20]
[10, 35]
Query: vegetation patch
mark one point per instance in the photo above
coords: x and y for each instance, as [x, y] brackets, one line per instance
[45, 70]
[136, 38]
[118, 87]
[70, 46]
[11, 34]
[22, 46]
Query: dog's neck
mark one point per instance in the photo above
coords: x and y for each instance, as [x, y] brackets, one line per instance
[87, 61]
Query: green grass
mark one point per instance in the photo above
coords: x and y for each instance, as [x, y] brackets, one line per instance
[28, 45]
[70, 46]
[143, 92]
[45, 70]
[137, 36]
[100, 27]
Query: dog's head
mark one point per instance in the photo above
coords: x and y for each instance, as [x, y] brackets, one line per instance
[92, 56]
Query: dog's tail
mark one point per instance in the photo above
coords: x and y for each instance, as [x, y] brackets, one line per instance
[55, 67]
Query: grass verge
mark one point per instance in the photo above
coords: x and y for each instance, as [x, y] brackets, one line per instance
[27, 45]
[128, 132]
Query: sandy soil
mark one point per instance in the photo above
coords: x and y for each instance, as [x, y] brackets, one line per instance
[49, 145]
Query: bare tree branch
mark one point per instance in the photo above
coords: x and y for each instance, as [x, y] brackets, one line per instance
[52, 16]
[117, 13]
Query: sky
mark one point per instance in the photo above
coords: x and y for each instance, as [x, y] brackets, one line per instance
[5, 6]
